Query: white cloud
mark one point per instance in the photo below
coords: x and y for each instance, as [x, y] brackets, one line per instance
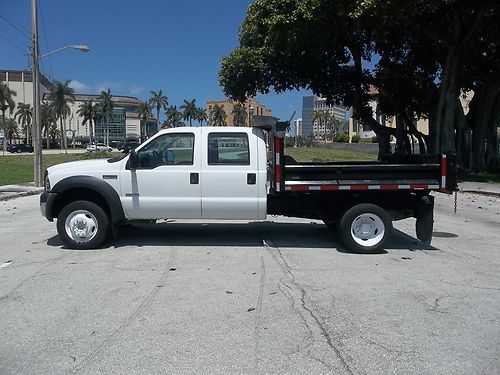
[113, 86]
[135, 89]
[78, 86]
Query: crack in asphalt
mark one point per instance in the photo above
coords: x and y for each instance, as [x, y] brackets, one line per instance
[296, 287]
[259, 310]
[93, 356]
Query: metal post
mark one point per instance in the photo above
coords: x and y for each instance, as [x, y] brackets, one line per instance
[37, 147]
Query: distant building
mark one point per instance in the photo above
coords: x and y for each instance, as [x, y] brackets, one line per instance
[126, 122]
[312, 103]
[364, 131]
[228, 105]
[296, 128]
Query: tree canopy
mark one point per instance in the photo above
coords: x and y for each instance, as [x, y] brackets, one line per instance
[421, 55]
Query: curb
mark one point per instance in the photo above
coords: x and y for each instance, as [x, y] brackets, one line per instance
[481, 192]
[20, 194]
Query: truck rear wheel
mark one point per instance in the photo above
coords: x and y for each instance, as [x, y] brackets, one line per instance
[365, 228]
[82, 225]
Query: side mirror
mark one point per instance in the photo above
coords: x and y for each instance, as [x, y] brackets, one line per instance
[133, 161]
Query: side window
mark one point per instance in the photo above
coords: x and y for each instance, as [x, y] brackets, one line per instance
[168, 149]
[228, 148]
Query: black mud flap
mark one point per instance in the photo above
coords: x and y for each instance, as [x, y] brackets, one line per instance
[425, 219]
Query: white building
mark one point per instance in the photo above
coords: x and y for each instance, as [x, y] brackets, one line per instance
[313, 103]
[126, 123]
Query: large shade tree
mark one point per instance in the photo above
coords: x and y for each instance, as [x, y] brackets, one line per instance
[61, 96]
[419, 63]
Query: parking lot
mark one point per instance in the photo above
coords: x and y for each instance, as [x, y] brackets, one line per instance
[281, 296]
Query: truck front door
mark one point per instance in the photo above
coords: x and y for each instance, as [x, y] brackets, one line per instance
[166, 183]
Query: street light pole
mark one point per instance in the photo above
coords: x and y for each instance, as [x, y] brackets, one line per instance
[37, 118]
[37, 147]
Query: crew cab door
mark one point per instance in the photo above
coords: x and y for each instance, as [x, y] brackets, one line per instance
[166, 183]
[230, 177]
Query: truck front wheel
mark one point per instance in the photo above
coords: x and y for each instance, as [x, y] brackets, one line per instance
[365, 228]
[82, 225]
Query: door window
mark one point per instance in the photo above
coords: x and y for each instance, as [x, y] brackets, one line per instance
[228, 148]
[168, 149]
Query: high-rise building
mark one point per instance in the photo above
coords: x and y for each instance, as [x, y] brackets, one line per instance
[228, 106]
[312, 103]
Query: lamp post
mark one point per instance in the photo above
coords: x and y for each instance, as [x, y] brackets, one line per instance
[35, 53]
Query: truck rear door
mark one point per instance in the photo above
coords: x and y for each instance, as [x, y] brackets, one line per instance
[233, 185]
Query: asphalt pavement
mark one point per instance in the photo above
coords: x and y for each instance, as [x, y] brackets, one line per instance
[281, 296]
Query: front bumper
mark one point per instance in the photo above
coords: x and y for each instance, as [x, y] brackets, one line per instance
[46, 203]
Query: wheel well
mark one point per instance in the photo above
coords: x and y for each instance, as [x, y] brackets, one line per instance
[79, 194]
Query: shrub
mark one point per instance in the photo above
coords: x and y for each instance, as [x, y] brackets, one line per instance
[355, 138]
[342, 137]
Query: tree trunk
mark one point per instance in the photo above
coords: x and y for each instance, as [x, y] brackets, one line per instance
[444, 126]
[61, 130]
[482, 117]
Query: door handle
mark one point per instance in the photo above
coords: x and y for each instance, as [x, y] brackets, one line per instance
[194, 178]
[251, 178]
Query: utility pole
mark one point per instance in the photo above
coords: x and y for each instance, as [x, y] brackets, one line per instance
[37, 147]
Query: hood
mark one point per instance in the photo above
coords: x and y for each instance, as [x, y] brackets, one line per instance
[80, 166]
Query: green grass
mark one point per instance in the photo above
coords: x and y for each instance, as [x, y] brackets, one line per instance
[15, 169]
[322, 154]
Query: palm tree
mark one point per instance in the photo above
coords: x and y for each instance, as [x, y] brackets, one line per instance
[61, 95]
[174, 117]
[24, 116]
[239, 115]
[158, 101]
[189, 110]
[88, 111]
[218, 115]
[144, 110]
[48, 118]
[6, 102]
[53, 131]
[201, 115]
[11, 129]
[106, 110]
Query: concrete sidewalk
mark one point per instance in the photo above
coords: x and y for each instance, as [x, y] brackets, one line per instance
[20, 190]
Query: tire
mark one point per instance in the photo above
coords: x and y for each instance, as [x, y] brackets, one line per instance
[365, 228]
[19, 150]
[93, 221]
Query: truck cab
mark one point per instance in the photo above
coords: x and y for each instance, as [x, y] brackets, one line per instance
[196, 173]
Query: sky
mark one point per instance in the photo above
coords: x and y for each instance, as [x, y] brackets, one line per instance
[136, 46]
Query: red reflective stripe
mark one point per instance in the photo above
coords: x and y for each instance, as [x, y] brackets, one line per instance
[388, 187]
[300, 188]
[359, 187]
[330, 187]
[278, 173]
[277, 151]
[419, 186]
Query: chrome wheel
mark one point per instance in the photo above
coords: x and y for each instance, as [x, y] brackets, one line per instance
[81, 226]
[367, 229]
